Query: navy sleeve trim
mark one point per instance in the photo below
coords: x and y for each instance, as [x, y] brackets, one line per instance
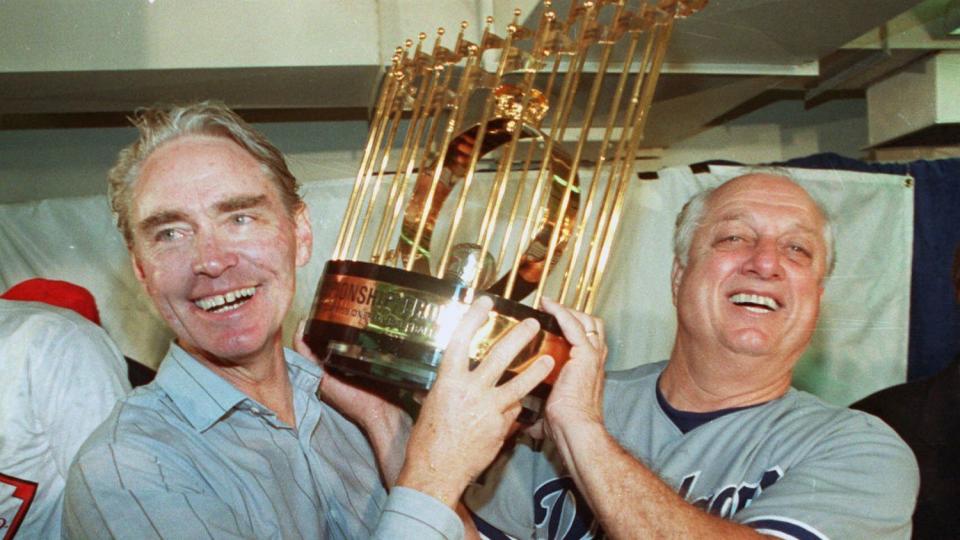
[488, 531]
[785, 528]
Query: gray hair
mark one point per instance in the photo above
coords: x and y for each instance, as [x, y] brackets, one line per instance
[161, 124]
[691, 217]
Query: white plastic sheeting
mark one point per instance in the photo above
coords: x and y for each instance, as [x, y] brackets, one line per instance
[860, 344]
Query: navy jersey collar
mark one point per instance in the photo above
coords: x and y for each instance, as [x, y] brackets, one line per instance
[687, 421]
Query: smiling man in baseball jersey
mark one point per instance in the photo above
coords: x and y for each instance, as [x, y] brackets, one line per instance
[713, 443]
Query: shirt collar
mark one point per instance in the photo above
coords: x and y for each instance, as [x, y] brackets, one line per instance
[304, 374]
[204, 397]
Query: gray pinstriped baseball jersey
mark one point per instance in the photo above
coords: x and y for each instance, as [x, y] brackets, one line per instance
[794, 467]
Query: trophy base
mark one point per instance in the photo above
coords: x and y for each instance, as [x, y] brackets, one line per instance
[391, 327]
[393, 389]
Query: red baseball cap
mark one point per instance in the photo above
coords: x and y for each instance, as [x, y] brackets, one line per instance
[56, 293]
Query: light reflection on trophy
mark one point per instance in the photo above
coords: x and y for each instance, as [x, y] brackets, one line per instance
[519, 149]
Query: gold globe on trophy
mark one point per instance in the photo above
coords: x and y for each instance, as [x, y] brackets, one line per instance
[496, 168]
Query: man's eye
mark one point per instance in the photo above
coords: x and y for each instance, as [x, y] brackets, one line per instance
[799, 252]
[729, 241]
[241, 219]
[168, 235]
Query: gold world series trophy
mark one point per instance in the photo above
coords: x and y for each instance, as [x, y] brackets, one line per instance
[501, 129]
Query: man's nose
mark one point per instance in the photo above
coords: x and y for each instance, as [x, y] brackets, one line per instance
[764, 260]
[213, 255]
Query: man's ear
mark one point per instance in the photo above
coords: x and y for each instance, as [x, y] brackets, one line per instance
[675, 277]
[304, 233]
[135, 263]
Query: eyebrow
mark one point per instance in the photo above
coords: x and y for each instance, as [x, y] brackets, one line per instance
[164, 217]
[241, 202]
[743, 216]
[159, 219]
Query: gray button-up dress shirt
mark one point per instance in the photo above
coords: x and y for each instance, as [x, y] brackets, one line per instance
[190, 456]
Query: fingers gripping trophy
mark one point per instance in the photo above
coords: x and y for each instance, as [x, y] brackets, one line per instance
[496, 168]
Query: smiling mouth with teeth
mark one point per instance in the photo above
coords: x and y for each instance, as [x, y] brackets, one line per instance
[220, 303]
[755, 302]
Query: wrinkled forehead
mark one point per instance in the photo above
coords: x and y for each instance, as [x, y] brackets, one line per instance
[774, 200]
[182, 167]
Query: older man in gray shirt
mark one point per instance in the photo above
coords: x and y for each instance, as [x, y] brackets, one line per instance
[231, 439]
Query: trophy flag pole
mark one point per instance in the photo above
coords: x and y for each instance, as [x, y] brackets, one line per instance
[507, 130]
